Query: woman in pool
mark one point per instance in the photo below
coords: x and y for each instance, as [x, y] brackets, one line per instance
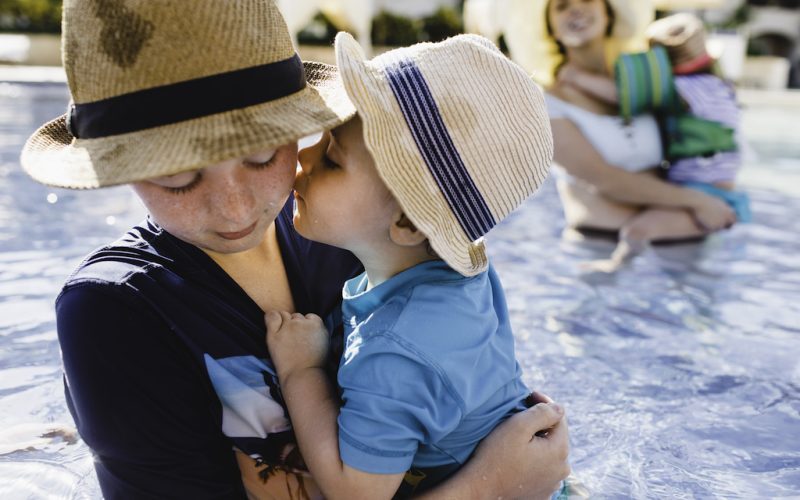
[198, 106]
[607, 166]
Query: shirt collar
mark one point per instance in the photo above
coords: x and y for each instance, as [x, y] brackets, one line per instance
[360, 302]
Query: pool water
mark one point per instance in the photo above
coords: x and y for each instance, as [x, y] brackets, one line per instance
[680, 373]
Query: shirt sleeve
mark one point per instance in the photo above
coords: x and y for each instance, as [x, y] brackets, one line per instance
[139, 400]
[394, 400]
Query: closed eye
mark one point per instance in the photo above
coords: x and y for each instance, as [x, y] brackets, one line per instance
[259, 165]
[260, 161]
[329, 164]
[186, 187]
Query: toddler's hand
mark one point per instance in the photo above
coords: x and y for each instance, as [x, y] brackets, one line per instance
[296, 341]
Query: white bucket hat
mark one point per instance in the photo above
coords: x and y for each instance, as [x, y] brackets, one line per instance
[459, 134]
[684, 37]
[163, 87]
[534, 48]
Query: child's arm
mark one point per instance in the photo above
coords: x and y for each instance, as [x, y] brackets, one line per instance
[298, 345]
[599, 86]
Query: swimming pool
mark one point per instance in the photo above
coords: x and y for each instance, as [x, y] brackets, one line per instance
[680, 373]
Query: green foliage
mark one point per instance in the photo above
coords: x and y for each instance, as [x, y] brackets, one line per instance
[736, 20]
[393, 30]
[443, 23]
[320, 31]
[37, 16]
[741, 16]
[44, 16]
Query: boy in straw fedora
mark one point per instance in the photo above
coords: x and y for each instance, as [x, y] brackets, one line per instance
[197, 105]
[699, 118]
[448, 139]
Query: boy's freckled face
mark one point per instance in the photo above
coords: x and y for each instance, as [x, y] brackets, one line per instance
[226, 207]
[341, 199]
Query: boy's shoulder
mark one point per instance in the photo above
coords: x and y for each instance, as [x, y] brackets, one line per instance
[443, 325]
[140, 249]
[438, 312]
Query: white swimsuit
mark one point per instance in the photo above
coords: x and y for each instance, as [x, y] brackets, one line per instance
[634, 147]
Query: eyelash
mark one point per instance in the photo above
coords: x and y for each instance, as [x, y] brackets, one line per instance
[328, 163]
[188, 187]
[250, 164]
[259, 165]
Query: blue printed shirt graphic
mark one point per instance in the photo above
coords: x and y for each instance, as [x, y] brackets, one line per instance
[249, 408]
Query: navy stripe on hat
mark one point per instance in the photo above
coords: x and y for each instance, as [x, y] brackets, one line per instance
[436, 146]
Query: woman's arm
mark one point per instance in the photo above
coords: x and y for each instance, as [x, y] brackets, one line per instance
[580, 159]
[513, 461]
[599, 86]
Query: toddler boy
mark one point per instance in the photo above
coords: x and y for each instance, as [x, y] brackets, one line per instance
[446, 140]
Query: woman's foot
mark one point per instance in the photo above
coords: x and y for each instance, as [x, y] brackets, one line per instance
[625, 252]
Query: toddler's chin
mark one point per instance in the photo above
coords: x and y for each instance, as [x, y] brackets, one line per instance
[301, 228]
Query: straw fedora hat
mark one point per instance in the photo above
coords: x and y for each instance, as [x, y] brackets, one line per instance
[459, 134]
[163, 87]
[684, 37]
[534, 49]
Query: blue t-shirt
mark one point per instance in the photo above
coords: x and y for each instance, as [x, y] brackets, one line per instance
[166, 365]
[428, 369]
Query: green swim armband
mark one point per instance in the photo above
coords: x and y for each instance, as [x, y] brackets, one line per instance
[645, 83]
[689, 136]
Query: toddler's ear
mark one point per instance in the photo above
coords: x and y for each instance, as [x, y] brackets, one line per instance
[403, 232]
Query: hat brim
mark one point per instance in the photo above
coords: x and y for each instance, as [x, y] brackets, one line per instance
[54, 157]
[406, 184]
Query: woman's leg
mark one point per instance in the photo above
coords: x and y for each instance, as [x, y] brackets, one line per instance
[652, 224]
[661, 224]
[584, 207]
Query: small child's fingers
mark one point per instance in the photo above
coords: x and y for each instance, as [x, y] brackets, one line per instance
[274, 321]
[316, 320]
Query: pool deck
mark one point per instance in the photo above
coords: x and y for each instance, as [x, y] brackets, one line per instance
[32, 74]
